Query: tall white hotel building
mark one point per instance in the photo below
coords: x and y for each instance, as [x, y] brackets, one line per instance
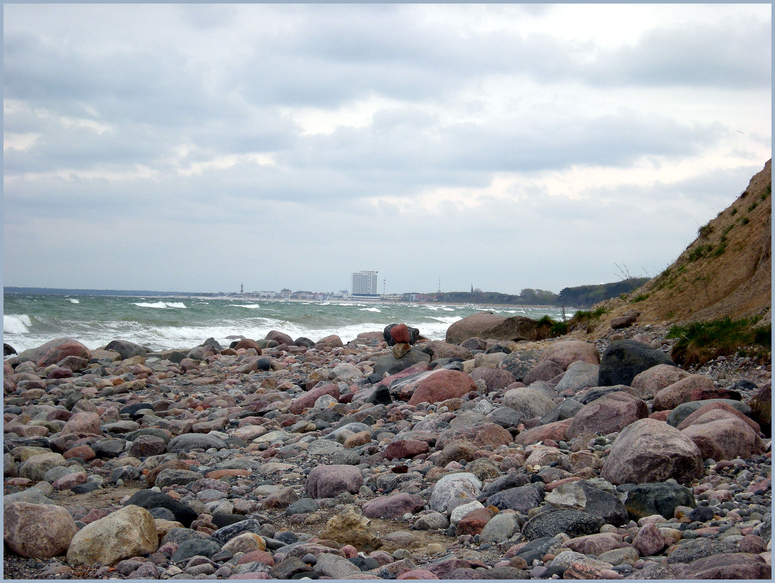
[365, 283]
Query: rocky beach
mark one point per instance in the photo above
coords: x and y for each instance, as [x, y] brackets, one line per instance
[388, 456]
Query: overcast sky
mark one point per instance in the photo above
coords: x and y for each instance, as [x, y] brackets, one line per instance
[200, 147]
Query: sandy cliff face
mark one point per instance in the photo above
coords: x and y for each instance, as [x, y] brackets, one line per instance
[726, 271]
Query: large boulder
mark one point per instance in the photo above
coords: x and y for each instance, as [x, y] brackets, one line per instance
[652, 451]
[472, 326]
[565, 352]
[329, 481]
[400, 333]
[608, 414]
[453, 486]
[441, 385]
[654, 379]
[579, 375]
[623, 360]
[122, 534]
[494, 378]
[650, 498]
[552, 522]
[722, 435]
[126, 349]
[54, 351]
[528, 402]
[38, 531]
[694, 387]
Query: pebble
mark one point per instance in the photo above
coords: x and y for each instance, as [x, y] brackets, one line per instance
[265, 457]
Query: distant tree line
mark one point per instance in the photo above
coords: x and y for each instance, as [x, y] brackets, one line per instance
[579, 297]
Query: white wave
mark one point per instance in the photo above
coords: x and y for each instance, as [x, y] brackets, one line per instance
[249, 306]
[16, 324]
[159, 305]
[73, 301]
[377, 310]
[446, 309]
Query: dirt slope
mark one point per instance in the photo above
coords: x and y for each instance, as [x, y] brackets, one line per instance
[726, 271]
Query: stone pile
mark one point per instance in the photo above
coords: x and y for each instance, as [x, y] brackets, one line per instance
[388, 457]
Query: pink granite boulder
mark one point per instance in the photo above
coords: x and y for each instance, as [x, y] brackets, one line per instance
[442, 385]
[307, 400]
[691, 388]
[721, 435]
[394, 506]
[38, 530]
[654, 379]
[565, 352]
[608, 414]
[329, 481]
[652, 451]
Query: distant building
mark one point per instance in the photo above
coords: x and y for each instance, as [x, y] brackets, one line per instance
[365, 283]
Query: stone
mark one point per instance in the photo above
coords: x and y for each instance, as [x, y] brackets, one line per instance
[730, 566]
[247, 344]
[652, 451]
[329, 343]
[83, 424]
[522, 498]
[172, 477]
[329, 481]
[442, 385]
[556, 431]
[453, 486]
[279, 337]
[654, 379]
[415, 360]
[649, 541]
[681, 412]
[37, 530]
[307, 400]
[228, 532]
[609, 414]
[691, 388]
[624, 359]
[245, 543]
[400, 333]
[35, 467]
[149, 499]
[604, 504]
[495, 379]
[719, 404]
[594, 544]
[473, 326]
[147, 445]
[761, 408]
[431, 521]
[544, 371]
[335, 567]
[122, 534]
[394, 506]
[405, 448]
[579, 375]
[721, 435]
[660, 498]
[474, 521]
[565, 352]
[552, 522]
[54, 351]
[351, 529]
[528, 402]
[205, 547]
[126, 349]
[479, 435]
[188, 441]
[500, 527]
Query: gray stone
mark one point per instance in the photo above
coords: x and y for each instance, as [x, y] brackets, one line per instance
[624, 359]
[189, 441]
[656, 498]
[501, 527]
[521, 499]
[431, 521]
[552, 522]
[223, 535]
[302, 506]
[689, 551]
[452, 486]
[206, 547]
[682, 411]
[579, 375]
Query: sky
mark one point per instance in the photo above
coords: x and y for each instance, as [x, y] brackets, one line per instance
[200, 147]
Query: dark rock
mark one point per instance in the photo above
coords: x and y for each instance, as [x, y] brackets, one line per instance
[108, 447]
[604, 504]
[388, 364]
[730, 565]
[683, 410]
[624, 359]
[537, 548]
[504, 483]
[126, 349]
[161, 513]
[226, 533]
[380, 396]
[150, 499]
[289, 568]
[563, 410]
[85, 488]
[521, 498]
[205, 547]
[689, 551]
[519, 363]
[553, 522]
[8, 350]
[656, 498]
[189, 441]
[304, 342]
[400, 333]
[302, 506]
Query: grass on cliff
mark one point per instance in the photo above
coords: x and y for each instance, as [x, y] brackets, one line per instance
[701, 342]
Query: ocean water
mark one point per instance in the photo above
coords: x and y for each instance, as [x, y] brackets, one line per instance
[30, 320]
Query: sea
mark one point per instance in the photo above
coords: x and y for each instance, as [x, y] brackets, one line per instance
[167, 323]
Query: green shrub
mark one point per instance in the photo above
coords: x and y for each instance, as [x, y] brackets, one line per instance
[701, 342]
[640, 298]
